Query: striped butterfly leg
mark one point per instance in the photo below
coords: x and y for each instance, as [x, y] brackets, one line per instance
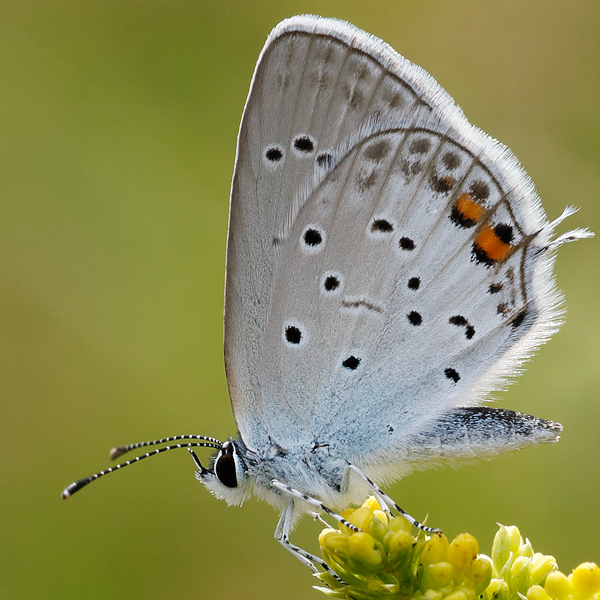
[385, 501]
[310, 560]
[282, 531]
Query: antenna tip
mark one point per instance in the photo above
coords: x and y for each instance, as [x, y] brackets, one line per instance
[118, 451]
[66, 493]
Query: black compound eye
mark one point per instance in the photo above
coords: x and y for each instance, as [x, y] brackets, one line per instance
[225, 467]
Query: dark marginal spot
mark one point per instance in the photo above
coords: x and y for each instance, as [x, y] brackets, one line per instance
[292, 334]
[452, 374]
[304, 144]
[331, 283]
[415, 318]
[451, 160]
[351, 363]
[494, 288]
[320, 81]
[382, 225]
[360, 70]
[353, 95]
[312, 237]
[442, 185]
[411, 168]
[414, 283]
[518, 320]
[326, 55]
[458, 320]
[378, 150]
[276, 241]
[390, 429]
[406, 243]
[504, 232]
[324, 159]
[502, 308]
[274, 154]
[419, 146]
[395, 100]
[480, 190]
[364, 181]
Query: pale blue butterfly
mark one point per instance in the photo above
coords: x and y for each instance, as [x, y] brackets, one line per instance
[388, 264]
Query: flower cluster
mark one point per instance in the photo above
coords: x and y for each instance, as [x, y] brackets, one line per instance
[385, 561]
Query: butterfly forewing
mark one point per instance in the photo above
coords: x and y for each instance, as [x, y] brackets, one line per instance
[379, 259]
[310, 93]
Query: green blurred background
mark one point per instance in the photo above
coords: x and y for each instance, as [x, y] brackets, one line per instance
[118, 124]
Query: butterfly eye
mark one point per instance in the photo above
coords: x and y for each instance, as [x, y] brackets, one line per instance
[225, 466]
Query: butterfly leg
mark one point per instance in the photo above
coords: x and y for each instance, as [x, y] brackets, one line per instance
[282, 532]
[382, 496]
[286, 489]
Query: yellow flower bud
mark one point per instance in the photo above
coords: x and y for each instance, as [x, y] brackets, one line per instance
[558, 585]
[480, 573]
[497, 590]
[363, 548]
[463, 551]
[525, 549]
[585, 579]
[507, 540]
[457, 595]
[400, 547]
[519, 574]
[379, 526]
[541, 565]
[469, 593]
[400, 524]
[436, 549]
[436, 575]
[371, 503]
[537, 592]
[361, 518]
[333, 541]
[382, 516]
[432, 595]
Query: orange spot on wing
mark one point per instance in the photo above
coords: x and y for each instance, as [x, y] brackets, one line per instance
[489, 242]
[468, 208]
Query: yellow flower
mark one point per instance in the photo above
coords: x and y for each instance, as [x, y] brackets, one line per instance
[384, 560]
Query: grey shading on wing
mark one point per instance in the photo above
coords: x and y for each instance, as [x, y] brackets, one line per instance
[386, 261]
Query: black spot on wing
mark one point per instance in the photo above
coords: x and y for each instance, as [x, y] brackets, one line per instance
[452, 374]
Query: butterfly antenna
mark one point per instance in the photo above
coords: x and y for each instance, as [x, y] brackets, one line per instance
[81, 483]
[120, 450]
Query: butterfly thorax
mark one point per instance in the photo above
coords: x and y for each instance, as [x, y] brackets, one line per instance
[313, 470]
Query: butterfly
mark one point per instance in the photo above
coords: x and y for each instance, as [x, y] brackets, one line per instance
[388, 264]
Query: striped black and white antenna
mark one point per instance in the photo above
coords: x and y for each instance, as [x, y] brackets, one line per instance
[207, 442]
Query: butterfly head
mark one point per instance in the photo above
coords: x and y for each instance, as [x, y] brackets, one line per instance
[227, 476]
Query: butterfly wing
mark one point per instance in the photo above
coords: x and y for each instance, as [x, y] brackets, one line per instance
[386, 260]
